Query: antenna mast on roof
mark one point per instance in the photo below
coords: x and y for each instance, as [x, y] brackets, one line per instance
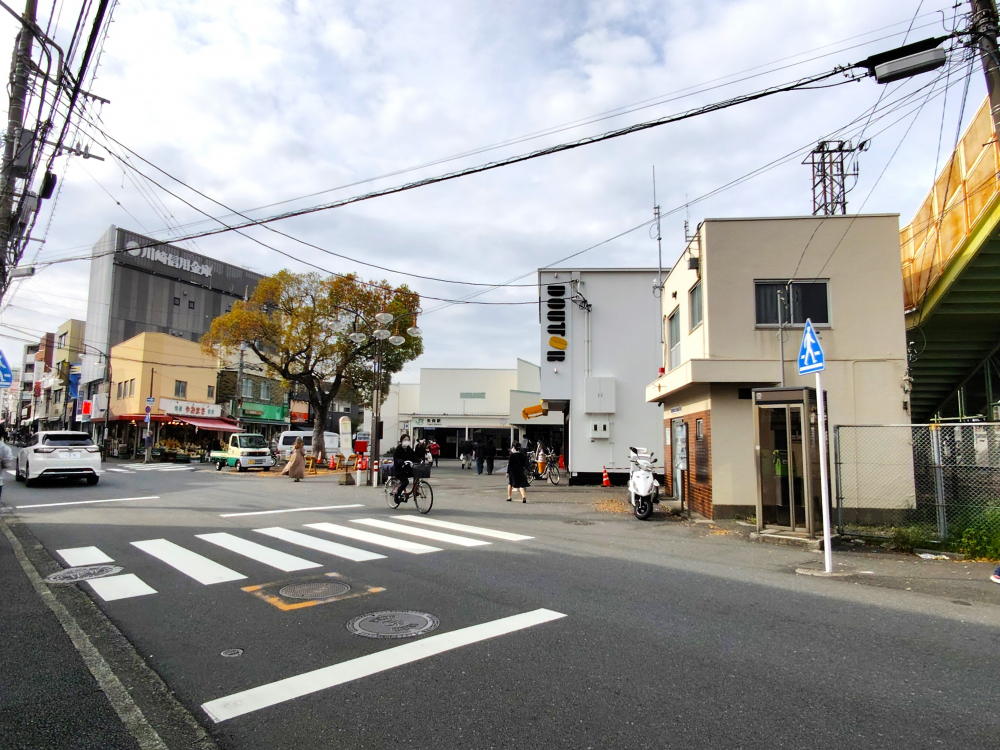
[830, 172]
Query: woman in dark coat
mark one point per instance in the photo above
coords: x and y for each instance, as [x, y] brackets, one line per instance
[400, 470]
[517, 472]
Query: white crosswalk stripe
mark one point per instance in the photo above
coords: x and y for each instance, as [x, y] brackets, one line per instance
[321, 545]
[258, 552]
[187, 562]
[120, 471]
[377, 539]
[120, 587]
[83, 556]
[425, 533]
[492, 533]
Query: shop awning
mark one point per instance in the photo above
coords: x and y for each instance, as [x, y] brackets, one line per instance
[219, 425]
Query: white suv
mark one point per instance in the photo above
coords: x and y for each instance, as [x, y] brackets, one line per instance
[58, 454]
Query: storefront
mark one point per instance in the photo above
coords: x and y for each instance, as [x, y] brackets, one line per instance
[268, 420]
[192, 438]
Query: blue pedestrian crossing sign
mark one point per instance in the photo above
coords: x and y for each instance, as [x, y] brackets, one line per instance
[810, 353]
[6, 376]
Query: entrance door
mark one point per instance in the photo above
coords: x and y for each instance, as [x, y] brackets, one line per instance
[781, 467]
[679, 442]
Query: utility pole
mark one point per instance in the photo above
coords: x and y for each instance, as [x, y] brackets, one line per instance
[20, 68]
[830, 175]
[149, 425]
[238, 396]
[984, 27]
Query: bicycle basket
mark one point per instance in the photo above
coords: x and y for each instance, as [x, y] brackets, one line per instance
[421, 471]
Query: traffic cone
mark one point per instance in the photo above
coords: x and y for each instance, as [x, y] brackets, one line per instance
[607, 479]
[333, 462]
[562, 462]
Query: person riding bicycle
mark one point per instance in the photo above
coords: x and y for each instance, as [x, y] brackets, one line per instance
[402, 470]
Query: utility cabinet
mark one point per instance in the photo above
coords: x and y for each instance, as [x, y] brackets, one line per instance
[599, 395]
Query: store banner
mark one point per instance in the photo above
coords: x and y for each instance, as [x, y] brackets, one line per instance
[189, 408]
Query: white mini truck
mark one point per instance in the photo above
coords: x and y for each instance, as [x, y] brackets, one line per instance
[246, 451]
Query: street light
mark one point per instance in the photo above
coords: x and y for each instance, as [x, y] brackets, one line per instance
[22, 273]
[414, 331]
[384, 317]
[906, 61]
[358, 337]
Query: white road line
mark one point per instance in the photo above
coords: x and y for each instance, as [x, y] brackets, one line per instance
[366, 536]
[11, 472]
[120, 471]
[321, 545]
[289, 510]
[120, 587]
[258, 552]
[83, 556]
[86, 502]
[290, 688]
[187, 562]
[510, 537]
[435, 535]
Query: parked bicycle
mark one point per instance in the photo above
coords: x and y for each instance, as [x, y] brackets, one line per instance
[550, 470]
[420, 490]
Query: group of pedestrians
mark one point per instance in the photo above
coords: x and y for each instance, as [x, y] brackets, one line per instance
[482, 453]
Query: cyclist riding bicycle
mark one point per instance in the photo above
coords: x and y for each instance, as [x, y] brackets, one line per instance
[403, 458]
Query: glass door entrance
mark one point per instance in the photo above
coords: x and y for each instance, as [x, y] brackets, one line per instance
[782, 468]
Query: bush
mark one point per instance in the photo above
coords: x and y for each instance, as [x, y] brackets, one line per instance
[981, 538]
[909, 538]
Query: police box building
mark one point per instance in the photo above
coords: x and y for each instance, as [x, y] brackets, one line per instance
[138, 284]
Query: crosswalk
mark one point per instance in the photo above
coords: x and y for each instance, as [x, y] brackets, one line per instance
[191, 558]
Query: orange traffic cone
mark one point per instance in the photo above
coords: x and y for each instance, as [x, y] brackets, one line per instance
[333, 462]
[562, 462]
[607, 479]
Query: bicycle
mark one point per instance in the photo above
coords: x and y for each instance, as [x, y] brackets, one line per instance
[420, 490]
[551, 471]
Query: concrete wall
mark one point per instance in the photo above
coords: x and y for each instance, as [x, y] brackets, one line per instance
[529, 377]
[441, 390]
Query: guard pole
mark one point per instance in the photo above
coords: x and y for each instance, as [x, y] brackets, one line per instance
[824, 474]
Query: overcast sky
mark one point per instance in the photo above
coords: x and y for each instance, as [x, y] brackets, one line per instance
[258, 102]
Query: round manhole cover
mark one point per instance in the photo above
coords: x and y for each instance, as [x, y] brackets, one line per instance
[83, 573]
[233, 652]
[393, 624]
[317, 590]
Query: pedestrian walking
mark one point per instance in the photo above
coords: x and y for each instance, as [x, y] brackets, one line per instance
[480, 454]
[296, 466]
[465, 453]
[490, 452]
[6, 456]
[435, 450]
[517, 477]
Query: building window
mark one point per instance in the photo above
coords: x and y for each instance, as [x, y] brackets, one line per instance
[247, 391]
[699, 429]
[807, 299]
[180, 389]
[190, 304]
[265, 391]
[119, 396]
[211, 391]
[62, 340]
[674, 338]
[694, 297]
[177, 301]
[131, 387]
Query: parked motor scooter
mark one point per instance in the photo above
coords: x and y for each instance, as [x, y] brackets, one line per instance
[643, 489]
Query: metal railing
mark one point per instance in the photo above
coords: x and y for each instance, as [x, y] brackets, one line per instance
[941, 481]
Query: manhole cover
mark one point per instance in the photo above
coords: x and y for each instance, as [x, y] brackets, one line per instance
[233, 652]
[581, 523]
[393, 624]
[317, 590]
[83, 573]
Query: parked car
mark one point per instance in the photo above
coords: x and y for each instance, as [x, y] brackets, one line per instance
[286, 441]
[58, 454]
[245, 451]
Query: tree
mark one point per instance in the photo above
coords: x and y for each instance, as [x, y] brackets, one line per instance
[299, 326]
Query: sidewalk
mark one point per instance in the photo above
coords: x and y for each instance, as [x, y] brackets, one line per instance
[48, 698]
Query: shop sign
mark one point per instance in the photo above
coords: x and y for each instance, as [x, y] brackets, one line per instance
[300, 411]
[263, 411]
[556, 336]
[189, 408]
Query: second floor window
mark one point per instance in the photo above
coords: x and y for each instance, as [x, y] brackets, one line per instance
[119, 396]
[247, 391]
[674, 338]
[180, 389]
[211, 391]
[799, 300]
[131, 387]
[695, 299]
[265, 391]
[62, 340]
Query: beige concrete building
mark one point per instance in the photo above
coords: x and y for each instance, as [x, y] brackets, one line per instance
[721, 311]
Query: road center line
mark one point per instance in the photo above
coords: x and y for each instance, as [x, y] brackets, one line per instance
[289, 510]
[290, 688]
[85, 502]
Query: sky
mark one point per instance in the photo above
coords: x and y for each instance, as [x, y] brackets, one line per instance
[255, 103]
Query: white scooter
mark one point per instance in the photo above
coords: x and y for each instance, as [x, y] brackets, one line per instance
[643, 489]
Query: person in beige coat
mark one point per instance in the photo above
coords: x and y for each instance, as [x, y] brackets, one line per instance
[296, 466]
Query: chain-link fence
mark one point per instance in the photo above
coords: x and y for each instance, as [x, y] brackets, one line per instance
[940, 482]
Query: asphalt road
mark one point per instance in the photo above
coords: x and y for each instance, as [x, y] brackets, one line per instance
[598, 631]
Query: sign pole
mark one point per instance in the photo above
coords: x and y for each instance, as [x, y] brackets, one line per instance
[824, 473]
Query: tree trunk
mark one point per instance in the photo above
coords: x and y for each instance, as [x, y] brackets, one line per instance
[320, 411]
